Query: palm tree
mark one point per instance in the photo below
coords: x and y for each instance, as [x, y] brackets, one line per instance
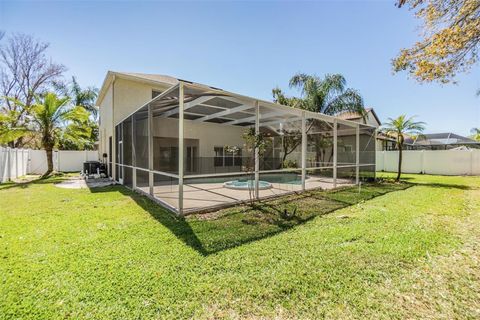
[328, 95]
[51, 115]
[398, 128]
[84, 97]
[475, 134]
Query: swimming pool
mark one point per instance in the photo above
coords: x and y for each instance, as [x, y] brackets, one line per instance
[274, 177]
[246, 184]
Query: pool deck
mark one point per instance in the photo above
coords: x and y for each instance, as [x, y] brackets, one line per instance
[198, 197]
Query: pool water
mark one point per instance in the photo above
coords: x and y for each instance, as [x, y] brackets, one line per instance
[287, 178]
[284, 177]
[246, 184]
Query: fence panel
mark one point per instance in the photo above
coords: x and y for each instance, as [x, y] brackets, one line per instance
[19, 162]
[13, 163]
[442, 162]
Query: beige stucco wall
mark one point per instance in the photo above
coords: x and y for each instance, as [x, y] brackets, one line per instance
[130, 95]
[121, 99]
[210, 135]
[106, 128]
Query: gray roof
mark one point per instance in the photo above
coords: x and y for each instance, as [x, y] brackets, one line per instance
[435, 139]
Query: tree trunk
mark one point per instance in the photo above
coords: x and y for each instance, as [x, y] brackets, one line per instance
[399, 162]
[49, 152]
[284, 157]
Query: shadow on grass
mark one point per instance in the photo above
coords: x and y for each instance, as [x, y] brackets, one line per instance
[55, 178]
[235, 226]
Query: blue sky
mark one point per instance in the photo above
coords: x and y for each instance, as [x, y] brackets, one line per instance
[249, 48]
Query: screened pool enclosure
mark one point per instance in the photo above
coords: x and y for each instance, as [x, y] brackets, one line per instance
[195, 148]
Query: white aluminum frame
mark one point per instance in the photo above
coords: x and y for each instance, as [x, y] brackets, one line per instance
[255, 104]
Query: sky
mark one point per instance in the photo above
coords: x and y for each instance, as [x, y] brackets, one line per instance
[250, 47]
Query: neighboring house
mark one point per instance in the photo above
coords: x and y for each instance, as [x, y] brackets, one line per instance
[440, 141]
[370, 117]
[184, 144]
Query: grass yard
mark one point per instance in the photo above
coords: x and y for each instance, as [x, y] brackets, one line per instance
[387, 250]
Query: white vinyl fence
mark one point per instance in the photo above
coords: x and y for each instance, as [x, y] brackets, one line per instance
[442, 162]
[19, 162]
[13, 163]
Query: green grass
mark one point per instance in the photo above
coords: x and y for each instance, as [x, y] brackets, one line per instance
[386, 250]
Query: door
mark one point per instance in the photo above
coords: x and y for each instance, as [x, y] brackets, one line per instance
[191, 160]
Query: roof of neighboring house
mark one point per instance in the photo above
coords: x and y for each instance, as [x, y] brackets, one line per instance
[355, 116]
[383, 136]
[446, 138]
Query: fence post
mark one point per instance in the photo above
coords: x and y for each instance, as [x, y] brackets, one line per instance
[16, 163]
[384, 160]
[9, 165]
[471, 162]
[422, 161]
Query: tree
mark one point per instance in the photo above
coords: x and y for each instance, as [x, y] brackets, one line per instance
[291, 139]
[25, 72]
[55, 118]
[475, 134]
[84, 97]
[328, 96]
[398, 128]
[451, 40]
[252, 141]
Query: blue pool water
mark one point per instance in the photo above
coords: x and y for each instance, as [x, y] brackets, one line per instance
[246, 184]
[284, 177]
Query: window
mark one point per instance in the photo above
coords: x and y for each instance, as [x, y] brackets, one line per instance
[227, 158]
[348, 148]
[218, 159]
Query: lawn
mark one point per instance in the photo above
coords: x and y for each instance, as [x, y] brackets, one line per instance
[384, 250]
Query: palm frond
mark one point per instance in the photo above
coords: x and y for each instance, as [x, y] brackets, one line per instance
[350, 100]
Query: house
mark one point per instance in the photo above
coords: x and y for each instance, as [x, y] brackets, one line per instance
[384, 142]
[440, 141]
[193, 147]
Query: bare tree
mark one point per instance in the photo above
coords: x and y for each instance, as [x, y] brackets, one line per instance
[25, 71]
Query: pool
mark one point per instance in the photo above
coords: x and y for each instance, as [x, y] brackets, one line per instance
[246, 184]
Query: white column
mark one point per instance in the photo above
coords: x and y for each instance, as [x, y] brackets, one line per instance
[375, 154]
[357, 155]
[134, 170]
[304, 149]
[257, 158]
[114, 136]
[150, 149]
[335, 153]
[180, 149]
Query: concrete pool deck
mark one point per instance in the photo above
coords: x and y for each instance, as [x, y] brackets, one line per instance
[200, 196]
